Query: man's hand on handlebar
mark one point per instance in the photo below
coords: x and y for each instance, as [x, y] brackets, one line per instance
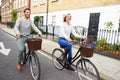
[18, 35]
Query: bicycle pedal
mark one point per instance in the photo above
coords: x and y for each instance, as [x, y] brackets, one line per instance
[59, 60]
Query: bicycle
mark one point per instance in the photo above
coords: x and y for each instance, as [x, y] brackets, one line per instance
[33, 45]
[85, 68]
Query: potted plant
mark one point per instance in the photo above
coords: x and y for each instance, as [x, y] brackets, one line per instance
[108, 24]
[100, 44]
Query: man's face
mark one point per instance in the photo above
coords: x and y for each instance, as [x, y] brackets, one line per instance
[27, 13]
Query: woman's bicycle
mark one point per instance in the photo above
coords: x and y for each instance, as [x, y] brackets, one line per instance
[31, 56]
[85, 68]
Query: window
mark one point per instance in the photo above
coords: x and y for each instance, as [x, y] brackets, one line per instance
[26, 2]
[41, 20]
[53, 20]
[19, 2]
[54, 0]
[23, 3]
[42, 1]
[35, 3]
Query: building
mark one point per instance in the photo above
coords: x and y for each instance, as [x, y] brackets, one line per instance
[8, 5]
[78, 8]
[91, 14]
[0, 13]
[20, 5]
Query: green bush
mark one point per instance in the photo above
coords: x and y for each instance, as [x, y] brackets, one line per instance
[14, 16]
[36, 21]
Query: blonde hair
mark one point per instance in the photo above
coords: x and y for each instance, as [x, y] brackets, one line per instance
[64, 17]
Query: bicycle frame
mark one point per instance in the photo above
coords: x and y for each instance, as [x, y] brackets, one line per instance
[77, 55]
[27, 54]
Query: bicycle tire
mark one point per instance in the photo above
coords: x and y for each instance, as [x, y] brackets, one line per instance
[35, 66]
[87, 70]
[58, 54]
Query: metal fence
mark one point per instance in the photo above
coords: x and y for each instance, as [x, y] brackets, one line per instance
[108, 41]
[54, 30]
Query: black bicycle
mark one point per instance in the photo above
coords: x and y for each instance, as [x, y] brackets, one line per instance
[85, 68]
[30, 55]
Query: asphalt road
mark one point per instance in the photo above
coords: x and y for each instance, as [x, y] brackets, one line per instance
[8, 63]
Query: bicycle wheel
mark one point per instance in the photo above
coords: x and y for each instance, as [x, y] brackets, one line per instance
[57, 58]
[35, 66]
[86, 70]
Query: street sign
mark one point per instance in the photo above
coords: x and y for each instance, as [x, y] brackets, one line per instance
[3, 50]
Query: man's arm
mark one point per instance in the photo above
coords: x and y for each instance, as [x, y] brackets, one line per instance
[36, 29]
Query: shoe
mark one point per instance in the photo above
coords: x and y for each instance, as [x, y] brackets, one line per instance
[70, 68]
[23, 63]
[18, 66]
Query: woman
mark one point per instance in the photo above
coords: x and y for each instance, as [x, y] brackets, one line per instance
[64, 39]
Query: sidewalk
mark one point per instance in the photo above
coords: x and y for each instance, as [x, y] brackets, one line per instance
[109, 68]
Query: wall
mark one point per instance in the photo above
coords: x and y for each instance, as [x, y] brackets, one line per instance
[81, 16]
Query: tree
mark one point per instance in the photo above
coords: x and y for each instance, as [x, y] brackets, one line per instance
[36, 20]
[14, 16]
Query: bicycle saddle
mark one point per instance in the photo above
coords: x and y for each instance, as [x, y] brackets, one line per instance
[62, 46]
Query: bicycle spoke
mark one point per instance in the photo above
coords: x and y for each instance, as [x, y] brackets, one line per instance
[87, 70]
[57, 58]
[34, 66]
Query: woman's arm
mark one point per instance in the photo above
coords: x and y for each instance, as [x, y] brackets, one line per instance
[75, 34]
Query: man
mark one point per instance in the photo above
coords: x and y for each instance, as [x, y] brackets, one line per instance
[22, 28]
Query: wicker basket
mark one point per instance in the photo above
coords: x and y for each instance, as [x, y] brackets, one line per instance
[87, 50]
[34, 43]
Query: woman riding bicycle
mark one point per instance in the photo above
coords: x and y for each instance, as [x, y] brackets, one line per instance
[22, 28]
[64, 39]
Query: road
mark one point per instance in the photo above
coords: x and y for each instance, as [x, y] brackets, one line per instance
[8, 63]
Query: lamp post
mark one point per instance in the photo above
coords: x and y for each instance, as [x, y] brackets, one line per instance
[47, 18]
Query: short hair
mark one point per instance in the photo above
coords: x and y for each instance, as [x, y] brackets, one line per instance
[64, 18]
[27, 9]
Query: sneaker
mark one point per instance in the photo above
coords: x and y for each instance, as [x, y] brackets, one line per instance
[18, 66]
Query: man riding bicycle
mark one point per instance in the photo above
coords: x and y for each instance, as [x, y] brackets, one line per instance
[22, 28]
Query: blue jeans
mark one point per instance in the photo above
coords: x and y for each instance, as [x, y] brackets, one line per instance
[21, 43]
[64, 42]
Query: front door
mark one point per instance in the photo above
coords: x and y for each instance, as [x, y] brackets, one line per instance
[93, 25]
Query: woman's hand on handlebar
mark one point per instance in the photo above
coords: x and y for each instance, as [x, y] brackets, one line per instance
[83, 38]
[40, 35]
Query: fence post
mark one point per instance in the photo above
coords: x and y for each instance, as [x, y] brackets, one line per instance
[53, 32]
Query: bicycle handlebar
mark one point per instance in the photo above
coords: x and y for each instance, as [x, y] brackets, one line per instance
[32, 36]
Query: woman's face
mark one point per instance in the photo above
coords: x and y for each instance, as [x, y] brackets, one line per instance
[68, 18]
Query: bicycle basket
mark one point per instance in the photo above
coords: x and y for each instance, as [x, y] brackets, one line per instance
[34, 43]
[87, 50]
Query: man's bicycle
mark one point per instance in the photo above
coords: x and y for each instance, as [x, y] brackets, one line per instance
[85, 68]
[31, 56]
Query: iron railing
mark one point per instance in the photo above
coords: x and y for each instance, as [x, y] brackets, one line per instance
[108, 41]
